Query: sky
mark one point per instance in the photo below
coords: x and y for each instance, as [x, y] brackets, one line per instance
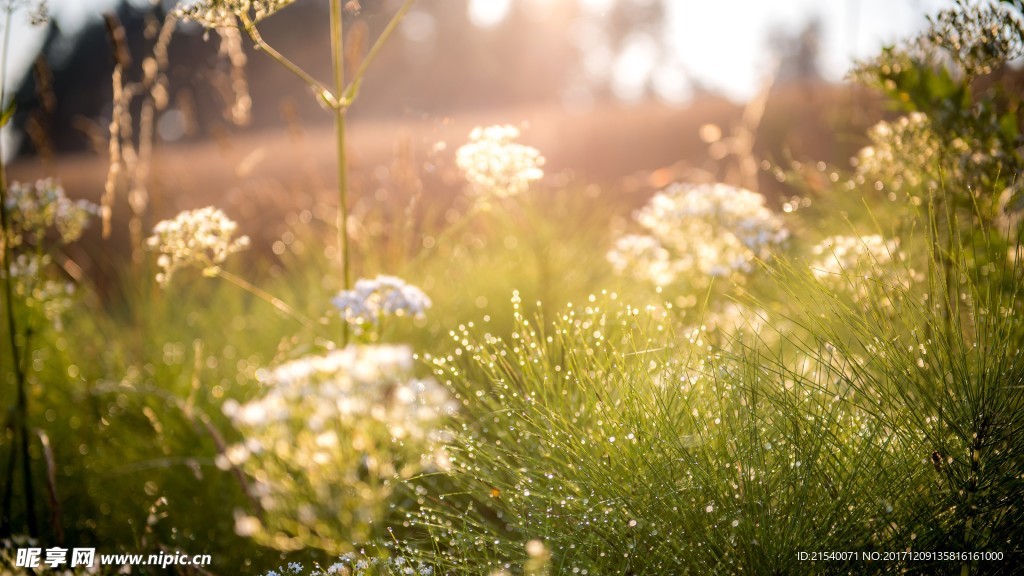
[722, 44]
[852, 29]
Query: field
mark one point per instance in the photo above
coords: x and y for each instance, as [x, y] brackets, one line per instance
[779, 337]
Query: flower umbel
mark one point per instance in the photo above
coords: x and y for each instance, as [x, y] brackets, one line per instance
[330, 436]
[201, 238]
[372, 381]
[371, 300]
[496, 165]
[906, 154]
[844, 263]
[842, 255]
[34, 208]
[707, 230]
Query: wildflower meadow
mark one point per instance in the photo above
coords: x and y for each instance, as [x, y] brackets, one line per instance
[539, 375]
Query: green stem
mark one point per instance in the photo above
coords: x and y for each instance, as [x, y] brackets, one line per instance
[338, 61]
[266, 297]
[254, 34]
[339, 101]
[21, 414]
[8, 498]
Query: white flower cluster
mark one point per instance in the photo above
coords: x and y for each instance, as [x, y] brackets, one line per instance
[351, 564]
[645, 256]
[373, 299]
[496, 165]
[331, 434]
[903, 155]
[223, 13]
[910, 156]
[34, 208]
[203, 238]
[841, 256]
[362, 382]
[698, 230]
[34, 211]
[843, 262]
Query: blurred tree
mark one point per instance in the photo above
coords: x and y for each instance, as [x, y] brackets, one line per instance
[563, 53]
[797, 53]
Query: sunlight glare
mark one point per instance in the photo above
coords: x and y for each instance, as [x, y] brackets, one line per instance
[488, 13]
[597, 6]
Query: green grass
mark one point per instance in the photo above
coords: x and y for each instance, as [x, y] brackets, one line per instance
[603, 425]
[626, 447]
[612, 429]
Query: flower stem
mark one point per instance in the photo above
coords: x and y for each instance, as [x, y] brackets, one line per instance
[266, 297]
[257, 39]
[338, 61]
[21, 410]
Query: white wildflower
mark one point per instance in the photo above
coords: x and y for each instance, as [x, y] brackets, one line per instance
[658, 265]
[904, 154]
[372, 299]
[361, 565]
[702, 230]
[35, 211]
[34, 208]
[371, 381]
[843, 264]
[840, 256]
[202, 238]
[496, 165]
[328, 420]
[375, 380]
